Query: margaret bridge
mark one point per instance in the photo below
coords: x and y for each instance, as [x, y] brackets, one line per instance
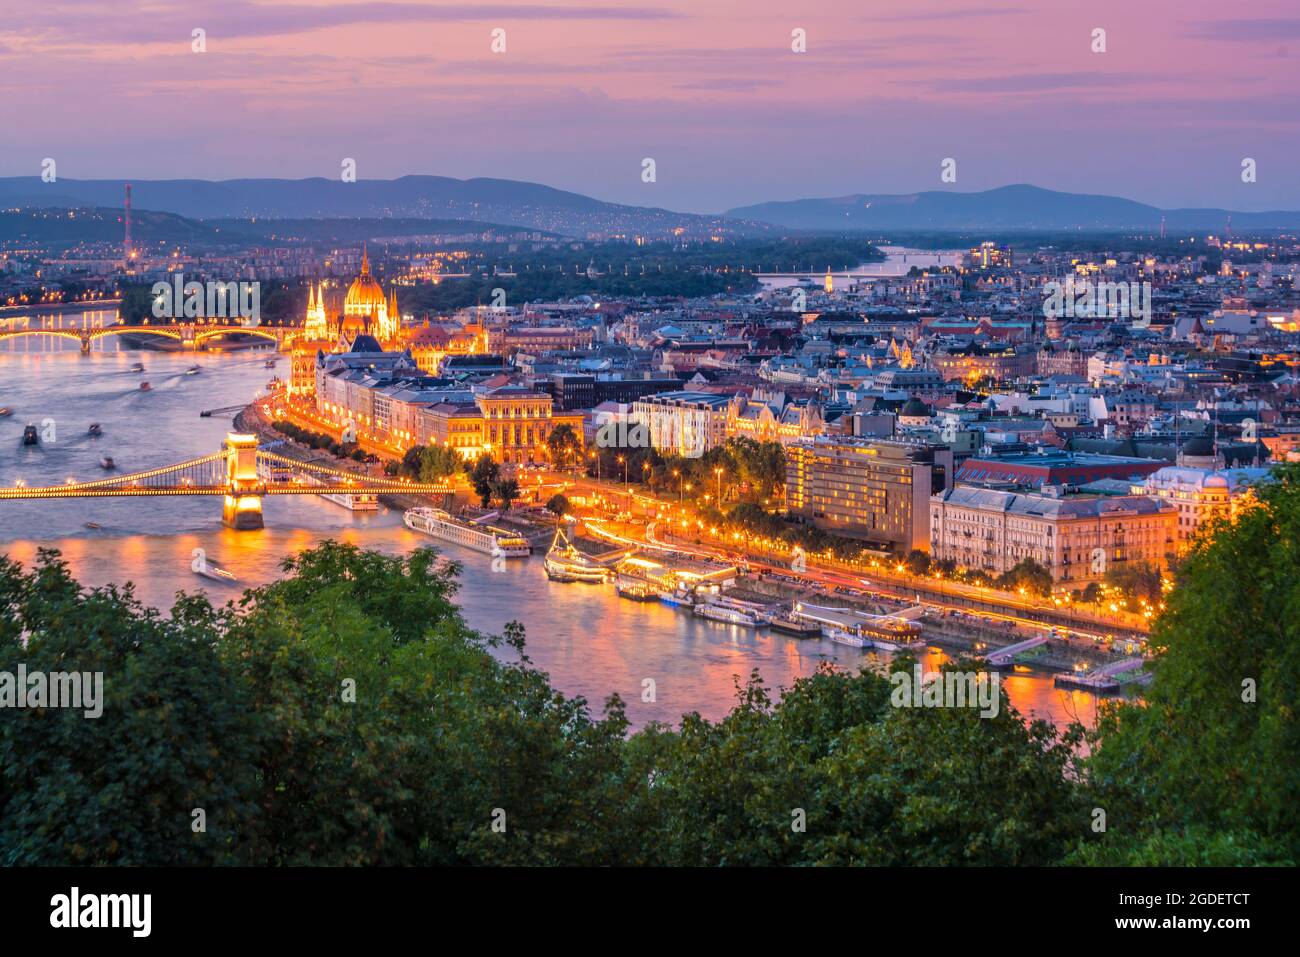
[241, 474]
[190, 335]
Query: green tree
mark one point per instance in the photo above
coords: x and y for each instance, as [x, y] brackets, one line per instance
[483, 474]
[506, 491]
[558, 505]
[1029, 575]
[1184, 769]
[438, 462]
[1136, 580]
[176, 732]
[564, 445]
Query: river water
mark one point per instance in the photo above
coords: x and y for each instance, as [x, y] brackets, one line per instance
[591, 642]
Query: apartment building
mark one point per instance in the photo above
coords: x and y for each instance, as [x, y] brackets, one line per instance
[875, 489]
[1077, 538]
[684, 423]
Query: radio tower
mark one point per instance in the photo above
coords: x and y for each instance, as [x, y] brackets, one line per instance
[127, 251]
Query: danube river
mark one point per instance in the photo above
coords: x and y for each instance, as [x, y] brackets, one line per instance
[590, 641]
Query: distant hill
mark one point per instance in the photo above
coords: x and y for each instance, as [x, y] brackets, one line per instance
[421, 197]
[1007, 207]
[82, 224]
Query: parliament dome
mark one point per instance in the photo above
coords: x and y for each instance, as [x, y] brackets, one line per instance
[365, 297]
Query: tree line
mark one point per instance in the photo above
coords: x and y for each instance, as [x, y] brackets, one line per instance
[345, 714]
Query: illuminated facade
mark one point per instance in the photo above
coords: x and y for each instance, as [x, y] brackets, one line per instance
[684, 423]
[517, 422]
[878, 490]
[1076, 538]
[366, 312]
[1201, 496]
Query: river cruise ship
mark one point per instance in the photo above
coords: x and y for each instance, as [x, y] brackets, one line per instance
[482, 538]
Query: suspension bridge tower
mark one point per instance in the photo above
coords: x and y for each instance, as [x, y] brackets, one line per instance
[242, 507]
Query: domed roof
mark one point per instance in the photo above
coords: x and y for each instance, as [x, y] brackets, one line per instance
[365, 294]
[915, 408]
[1201, 445]
[1216, 481]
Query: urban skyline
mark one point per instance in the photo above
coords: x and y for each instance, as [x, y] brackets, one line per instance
[790, 438]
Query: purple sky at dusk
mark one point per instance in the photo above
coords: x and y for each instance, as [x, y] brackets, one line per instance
[709, 88]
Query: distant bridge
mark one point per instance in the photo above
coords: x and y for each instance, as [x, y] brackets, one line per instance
[241, 474]
[190, 335]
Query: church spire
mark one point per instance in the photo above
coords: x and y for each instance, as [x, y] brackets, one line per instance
[365, 260]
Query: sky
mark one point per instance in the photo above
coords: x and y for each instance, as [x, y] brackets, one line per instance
[709, 89]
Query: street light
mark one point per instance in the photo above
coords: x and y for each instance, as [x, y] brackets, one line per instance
[718, 473]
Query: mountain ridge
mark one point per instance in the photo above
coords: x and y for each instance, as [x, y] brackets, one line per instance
[1019, 205]
[521, 203]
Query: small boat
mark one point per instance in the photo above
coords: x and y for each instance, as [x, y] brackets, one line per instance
[138, 367]
[727, 613]
[94, 430]
[634, 590]
[5, 412]
[93, 525]
[339, 495]
[795, 626]
[193, 370]
[270, 363]
[145, 387]
[842, 637]
[107, 463]
[215, 572]
[31, 436]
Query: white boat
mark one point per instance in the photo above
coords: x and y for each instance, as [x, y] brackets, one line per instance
[354, 501]
[216, 573]
[482, 538]
[727, 613]
[842, 637]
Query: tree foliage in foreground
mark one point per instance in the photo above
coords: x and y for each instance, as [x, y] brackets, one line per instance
[1205, 771]
[346, 715]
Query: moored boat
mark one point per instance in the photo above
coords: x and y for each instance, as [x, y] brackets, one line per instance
[94, 430]
[482, 538]
[727, 612]
[635, 590]
[31, 436]
[107, 463]
[842, 636]
[145, 387]
[565, 563]
[794, 626]
[339, 495]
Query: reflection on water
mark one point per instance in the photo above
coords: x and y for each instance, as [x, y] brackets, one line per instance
[590, 641]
